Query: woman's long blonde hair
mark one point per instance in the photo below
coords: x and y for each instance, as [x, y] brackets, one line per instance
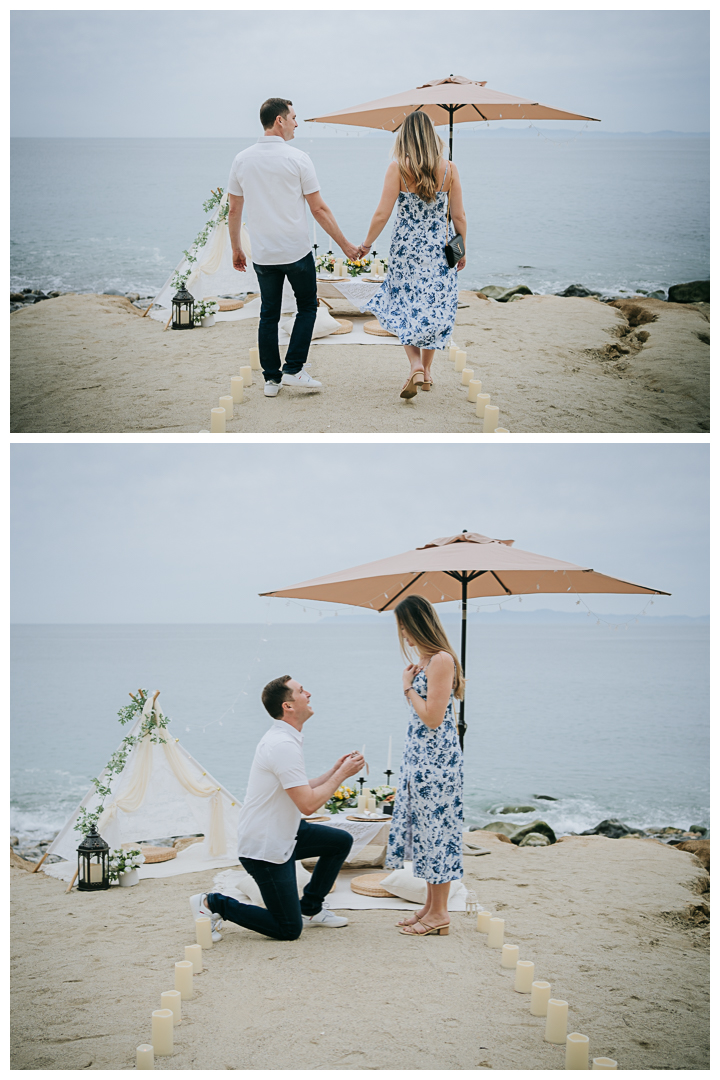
[418, 617]
[417, 150]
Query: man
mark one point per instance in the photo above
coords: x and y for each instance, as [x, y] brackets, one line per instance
[272, 835]
[271, 181]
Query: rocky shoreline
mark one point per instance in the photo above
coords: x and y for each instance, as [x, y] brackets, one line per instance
[691, 292]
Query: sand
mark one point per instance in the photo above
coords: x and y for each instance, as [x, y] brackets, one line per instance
[88, 363]
[607, 922]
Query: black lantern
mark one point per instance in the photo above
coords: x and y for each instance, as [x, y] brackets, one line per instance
[183, 310]
[93, 863]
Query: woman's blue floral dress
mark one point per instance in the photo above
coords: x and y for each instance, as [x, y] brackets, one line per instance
[418, 299]
[428, 812]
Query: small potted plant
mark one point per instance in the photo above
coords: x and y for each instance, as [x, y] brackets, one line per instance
[356, 267]
[125, 866]
[205, 312]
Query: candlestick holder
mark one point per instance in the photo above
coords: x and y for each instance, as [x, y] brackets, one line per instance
[315, 249]
[361, 781]
[389, 773]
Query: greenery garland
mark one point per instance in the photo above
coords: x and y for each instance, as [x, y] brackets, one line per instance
[202, 237]
[153, 725]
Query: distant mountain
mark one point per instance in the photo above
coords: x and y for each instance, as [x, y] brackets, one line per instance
[542, 617]
[571, 133]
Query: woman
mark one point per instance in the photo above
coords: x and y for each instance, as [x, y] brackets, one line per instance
[427, 815]
[418, 300]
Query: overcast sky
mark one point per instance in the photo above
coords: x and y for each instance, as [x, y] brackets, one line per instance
[178, 73]
[151, 533]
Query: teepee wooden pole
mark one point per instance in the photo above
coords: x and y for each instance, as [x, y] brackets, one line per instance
[72, 882]
[38, 865]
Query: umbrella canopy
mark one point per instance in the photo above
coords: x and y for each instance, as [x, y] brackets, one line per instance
[457, 567]
[446, 101]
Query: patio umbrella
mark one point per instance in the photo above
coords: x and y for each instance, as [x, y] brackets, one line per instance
[446, 101]
[457, 568]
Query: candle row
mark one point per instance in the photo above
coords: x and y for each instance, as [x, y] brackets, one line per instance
[169, 1015]
[224, 410]
[541, 1004]
[489, 414]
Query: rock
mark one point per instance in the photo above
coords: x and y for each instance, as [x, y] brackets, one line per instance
[52, 294]
[692, 292]
[504, 827]
[657, 295]
[132, 296]
[548, 798]
[517, 296]
[16, 298]
[635, 313]
[700, 848]
[480, 296]
[534, 839]
[642, 335]
[26, 290]
[699, 829]
[541, 827]
[15, 307]
[669, 830]
[500, 836]
[113, 292]
[578, 290]
[498, 292]
[612, 828]
[14, 841]
[516, 810]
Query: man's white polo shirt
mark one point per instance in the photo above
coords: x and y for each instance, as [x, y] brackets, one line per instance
[273, 177]
[269, 819]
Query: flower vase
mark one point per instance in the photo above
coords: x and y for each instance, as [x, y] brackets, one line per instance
[209, 320]
[132, 877]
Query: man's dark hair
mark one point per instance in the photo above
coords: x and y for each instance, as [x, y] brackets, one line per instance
[271, 109]
[275, 693]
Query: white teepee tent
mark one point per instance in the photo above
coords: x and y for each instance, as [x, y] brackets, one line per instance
[213, 275]
[162, 791]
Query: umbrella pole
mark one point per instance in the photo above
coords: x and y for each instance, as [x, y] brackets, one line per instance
[463, 641]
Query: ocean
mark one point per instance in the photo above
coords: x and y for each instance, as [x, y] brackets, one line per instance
[613, 214]
[609, 723]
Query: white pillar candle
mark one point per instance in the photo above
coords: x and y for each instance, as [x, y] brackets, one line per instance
[246, 373]
[217, 420]
[490, 418]
[510, 954]
[604, 1063]
[577, 1051]
[539, 997]
[483, 921]
[203, 932]
[524, 974]
[389, 764]
[361, 803]
[170, 999]
[162, 1032]
[474, 388]
[255, 358]
[467, 374]
[452, 351]
[460, 358]
[480, 403]
[501, 431]
[193, 953]
[184, 978]
[96, 871]
[226, 403]
[184, 316]
[371, 805]
[556, 1023]
[496, 933]
[145, 1058]
[237, 384]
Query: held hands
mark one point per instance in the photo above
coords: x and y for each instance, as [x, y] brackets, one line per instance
[239, 260]
[408, 675]
[351, 251]
[351, 764]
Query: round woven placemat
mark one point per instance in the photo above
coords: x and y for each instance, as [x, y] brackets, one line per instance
[158, 854]
[374, 327]
[229, 305]
[369, 885]
[345, 327]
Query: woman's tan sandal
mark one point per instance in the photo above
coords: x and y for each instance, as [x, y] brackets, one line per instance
[410, 388]
[427, 384]
[441, 930]
[408, 922]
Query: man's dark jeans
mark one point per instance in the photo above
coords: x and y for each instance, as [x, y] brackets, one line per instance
[301, 275]
[282, 915]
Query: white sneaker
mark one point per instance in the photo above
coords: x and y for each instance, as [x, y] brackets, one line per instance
[324, 918]
[272, 389]
[301, 379]
[199, 908]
